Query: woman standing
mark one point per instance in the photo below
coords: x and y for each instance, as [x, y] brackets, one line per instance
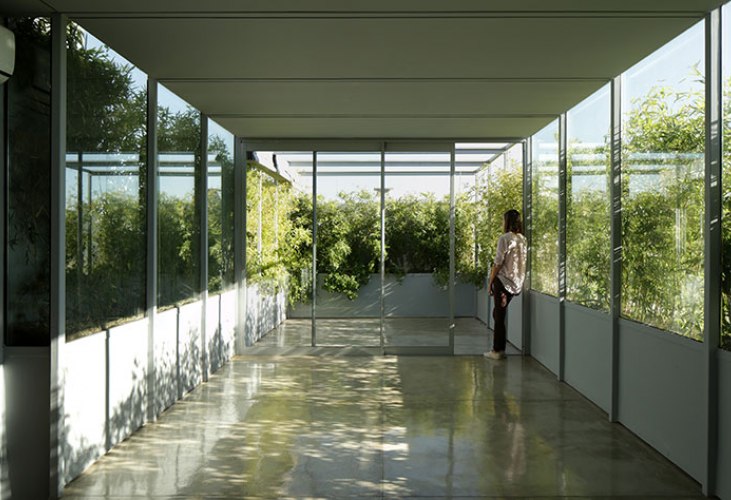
[507, 277]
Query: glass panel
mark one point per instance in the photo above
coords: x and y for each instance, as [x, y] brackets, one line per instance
[280, 254]
[544, 237]
[220, 208]
[663, 187]
[726, 186]
[348, 249]
[28, 196]
[499, 188]
[588, 211]
[105, 201]
[495, 186]
[417, 245]
[178, 139]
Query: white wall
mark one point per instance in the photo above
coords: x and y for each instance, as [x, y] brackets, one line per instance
[661, 393]
[105, 374]
[414, 295]
[544, 328]
[588, 344]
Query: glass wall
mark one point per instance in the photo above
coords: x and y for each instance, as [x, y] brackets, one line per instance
[28, 190]
[544, 257]
[178, 139]
[417, 243]
[105, 201]
[220, 208]
[348, 248]
[498, 188]
[588, 213]
[663, 187]
[726, 185]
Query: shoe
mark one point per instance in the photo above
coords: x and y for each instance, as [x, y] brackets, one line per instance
[495, 354]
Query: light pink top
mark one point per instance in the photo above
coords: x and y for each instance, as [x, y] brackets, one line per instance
[511, 254]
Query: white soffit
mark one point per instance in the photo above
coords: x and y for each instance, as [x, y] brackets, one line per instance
[384, 68]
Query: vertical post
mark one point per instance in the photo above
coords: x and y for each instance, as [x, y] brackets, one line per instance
[152, 189]
[615, 191]
[79, 223]
[3, 204]
[259, 214]
[381, 295]
[89, 226]
[314, 249]
[59, 23]
[562, 195]
[276, 214]
[240, 242]
[712, 246]
[452, 248]
[528, 228]
[203, 241]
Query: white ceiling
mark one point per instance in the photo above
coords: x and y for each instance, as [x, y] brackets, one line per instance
[473, 69]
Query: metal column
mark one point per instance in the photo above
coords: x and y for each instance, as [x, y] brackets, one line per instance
[314, 249]
[202, 195]
[712, 246]
[152, 189]
[381, 296]
[452, 247]
[562, 205]
[240, 242]
[615, 186]
[59, 23]
[528, 230]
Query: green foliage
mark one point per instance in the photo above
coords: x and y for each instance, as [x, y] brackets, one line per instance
[588, 242]
[662, 235]
[502, 190]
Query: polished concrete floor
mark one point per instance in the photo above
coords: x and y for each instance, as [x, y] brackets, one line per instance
[336, 426]
[471, 336]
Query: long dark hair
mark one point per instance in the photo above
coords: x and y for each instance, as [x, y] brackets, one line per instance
[512, 222]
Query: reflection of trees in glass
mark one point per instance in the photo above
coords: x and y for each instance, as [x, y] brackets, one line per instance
[662, 205]
[179, 249]
[220, 219]
[28, 225]
[105, 215]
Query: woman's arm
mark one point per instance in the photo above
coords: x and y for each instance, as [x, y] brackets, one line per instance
[495, 269]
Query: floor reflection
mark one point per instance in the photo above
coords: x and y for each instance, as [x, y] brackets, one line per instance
[382, 427]
[471, 336]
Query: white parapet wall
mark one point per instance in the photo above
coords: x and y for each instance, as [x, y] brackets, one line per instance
[105, 375]
[413, 295]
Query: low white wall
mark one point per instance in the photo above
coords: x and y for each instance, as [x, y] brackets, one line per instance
[544, 329]
[105, 375]
[414, 295]
[588, 341]
[661, 393]
[265, 310]
[724, 431]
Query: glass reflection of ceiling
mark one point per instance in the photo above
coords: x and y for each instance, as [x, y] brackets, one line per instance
[469, 159]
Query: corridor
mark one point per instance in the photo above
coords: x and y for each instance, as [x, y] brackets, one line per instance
[337, 426]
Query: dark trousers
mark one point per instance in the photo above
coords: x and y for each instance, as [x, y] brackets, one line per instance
[502, 298]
